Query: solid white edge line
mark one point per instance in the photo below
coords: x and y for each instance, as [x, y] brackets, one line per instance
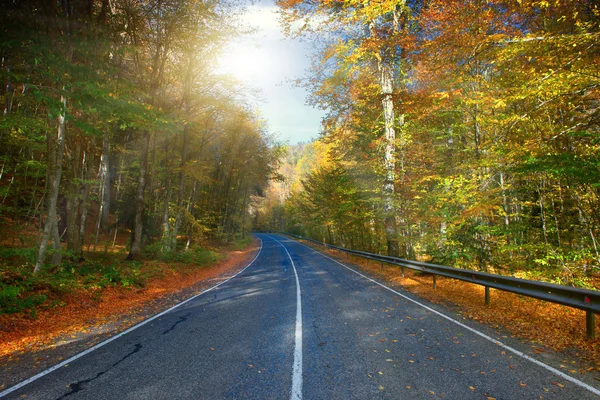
[297, 370]
[481, 334]
[115, 337]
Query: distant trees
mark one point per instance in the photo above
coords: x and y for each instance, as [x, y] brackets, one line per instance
[497, 148]
[113, 108]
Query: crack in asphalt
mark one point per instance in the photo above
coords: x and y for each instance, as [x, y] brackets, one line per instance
[181, 319]
[78, 386]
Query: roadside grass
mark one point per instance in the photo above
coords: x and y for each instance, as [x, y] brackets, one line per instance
[241, 243]
[545, 325]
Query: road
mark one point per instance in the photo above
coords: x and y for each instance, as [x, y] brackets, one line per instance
[296, 324]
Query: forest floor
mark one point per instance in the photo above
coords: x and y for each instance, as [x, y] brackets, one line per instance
[84, 314]
[546, 326]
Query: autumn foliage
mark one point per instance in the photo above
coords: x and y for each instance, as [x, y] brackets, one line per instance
[497, 134]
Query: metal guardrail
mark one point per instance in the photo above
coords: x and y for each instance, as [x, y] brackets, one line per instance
[583, 299]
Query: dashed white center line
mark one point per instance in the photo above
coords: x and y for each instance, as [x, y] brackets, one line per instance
[297, 370]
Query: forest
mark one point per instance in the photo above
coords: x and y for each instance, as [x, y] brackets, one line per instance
[115, 121]
[461, 132]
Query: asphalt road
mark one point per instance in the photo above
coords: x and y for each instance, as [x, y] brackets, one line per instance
[298, 325]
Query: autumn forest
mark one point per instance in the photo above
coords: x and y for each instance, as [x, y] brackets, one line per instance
[461, 132]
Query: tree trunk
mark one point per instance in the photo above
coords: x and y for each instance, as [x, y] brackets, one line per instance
[387, 87]
[541, 191]
[83, 204]
[136, 237]
[104, 177]
[117, 192]
[166, 226]
[180, 192]
[190, 209]
[55, 156]
[73, 198]
[166, 234]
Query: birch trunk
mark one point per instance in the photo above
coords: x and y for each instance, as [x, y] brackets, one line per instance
[104, 177]
[55, 156]
[389, 161]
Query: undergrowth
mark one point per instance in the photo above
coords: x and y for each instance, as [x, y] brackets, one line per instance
[23, 291]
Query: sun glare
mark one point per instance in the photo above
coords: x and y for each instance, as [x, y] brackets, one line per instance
[245, 62]
[244, 58]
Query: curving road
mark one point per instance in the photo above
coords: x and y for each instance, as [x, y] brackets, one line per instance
[296, 324]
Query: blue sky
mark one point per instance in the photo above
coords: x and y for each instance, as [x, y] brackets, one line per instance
[269, 62]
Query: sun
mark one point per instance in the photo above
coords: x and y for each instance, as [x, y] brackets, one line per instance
[245, 61]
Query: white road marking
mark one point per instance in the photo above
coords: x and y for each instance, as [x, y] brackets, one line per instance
[481, 334]
[112, 338]
[297, 371]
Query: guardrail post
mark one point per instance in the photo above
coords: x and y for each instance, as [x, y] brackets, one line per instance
[382, 266]
[402, 271]
[590, 324]
[487, 295]
[434, 281]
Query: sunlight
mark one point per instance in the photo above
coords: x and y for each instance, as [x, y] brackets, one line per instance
[246, 62]
[245, 58]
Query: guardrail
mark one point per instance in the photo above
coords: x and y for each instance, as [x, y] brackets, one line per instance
[583, 299]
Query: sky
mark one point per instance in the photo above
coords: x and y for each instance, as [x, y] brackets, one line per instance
[269, 61]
